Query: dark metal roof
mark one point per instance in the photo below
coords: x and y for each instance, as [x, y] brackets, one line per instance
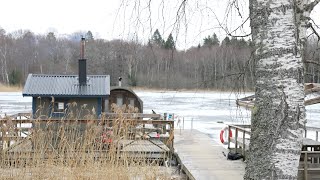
[66, 85]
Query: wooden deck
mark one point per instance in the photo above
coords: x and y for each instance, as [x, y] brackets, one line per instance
[138, 149]
[150, 149]
[202, 158]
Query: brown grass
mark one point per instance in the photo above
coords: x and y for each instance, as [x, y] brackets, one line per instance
[6, 88]
[73, 150]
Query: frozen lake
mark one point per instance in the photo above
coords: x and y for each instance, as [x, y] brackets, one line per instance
[205, 109]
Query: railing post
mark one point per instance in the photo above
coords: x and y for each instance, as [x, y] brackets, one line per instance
[236, 138]
[305, 133]
[171, 132]
[20, 127]
[229, 138]
[244, 145]
[183, 124]
[180, 127]
[316, 135]
[305, 166]
[192, 124]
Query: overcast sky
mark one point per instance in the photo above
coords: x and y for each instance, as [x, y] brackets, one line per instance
[126, 19]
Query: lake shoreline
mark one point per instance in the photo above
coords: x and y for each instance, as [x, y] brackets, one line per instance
[191, 90]
[8, 88]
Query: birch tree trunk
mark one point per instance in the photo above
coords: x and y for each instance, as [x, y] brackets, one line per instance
[278, 32]
[4, 63]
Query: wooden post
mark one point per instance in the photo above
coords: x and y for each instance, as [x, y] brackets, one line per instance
[144, 129]
[183, 124]
[305, 133]
[192, 124]
[305, 166]
[316, 135]
[20, 127]
[236, 139]
[229, 138]
[172, 142]
[244, 145]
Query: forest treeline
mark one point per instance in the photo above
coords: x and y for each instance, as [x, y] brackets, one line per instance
[214, 64]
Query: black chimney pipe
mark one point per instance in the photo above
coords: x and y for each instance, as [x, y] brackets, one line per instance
[82, 65]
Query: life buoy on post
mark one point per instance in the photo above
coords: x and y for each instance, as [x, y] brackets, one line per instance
[224, 136]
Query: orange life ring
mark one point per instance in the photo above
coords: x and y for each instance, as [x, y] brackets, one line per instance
[222, 134]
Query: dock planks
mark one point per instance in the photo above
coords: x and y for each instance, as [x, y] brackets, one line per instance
[202, 158]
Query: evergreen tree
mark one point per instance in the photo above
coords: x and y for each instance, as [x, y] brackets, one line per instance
[211, 41]
[157, 39]
[169, 44]
[242, 43]
[89, 36]
[226, 41]
[250, 43]
[215, 40]
[234, 41]
[51, 36]
[207, 41]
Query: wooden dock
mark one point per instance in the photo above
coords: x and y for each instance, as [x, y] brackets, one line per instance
[202, 158]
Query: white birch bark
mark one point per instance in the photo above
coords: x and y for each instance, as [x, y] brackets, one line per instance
[278, 31]
[4, 63]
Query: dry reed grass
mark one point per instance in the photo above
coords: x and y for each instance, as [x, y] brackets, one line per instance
[74, 150]
[6, 88]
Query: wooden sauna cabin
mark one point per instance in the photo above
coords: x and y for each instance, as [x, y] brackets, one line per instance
[121, 96]
[68, 96]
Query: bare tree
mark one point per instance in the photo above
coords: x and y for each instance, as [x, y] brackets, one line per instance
[4, 49]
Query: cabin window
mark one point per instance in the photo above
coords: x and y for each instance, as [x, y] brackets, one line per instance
[58, 107]
[119, 101]
[131, 102]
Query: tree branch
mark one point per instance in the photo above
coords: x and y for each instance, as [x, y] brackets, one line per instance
[226, 29]
[309, 7]
[312, 62]
[246, 35]
[314, 31]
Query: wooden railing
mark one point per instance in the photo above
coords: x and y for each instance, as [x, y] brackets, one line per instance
[105, 115]
[12, 130]
[309, 167]
[240, 142]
